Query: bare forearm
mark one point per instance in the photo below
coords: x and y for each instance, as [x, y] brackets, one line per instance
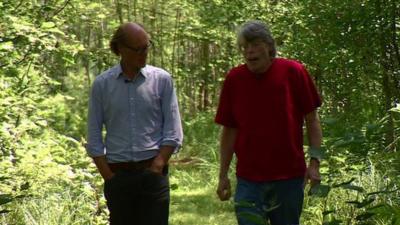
[314, 131]
[314, 134]
[164, 155]
[228, 137]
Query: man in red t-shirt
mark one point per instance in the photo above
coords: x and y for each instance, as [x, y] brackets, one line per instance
[262, 107]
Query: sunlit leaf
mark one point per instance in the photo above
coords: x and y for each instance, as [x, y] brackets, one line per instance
[6, 45]
[47, 25]
[396, 109]
[56, 30]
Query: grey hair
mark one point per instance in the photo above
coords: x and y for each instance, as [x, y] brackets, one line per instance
[257, 30]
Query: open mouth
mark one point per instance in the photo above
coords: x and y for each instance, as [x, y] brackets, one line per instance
[252, 59]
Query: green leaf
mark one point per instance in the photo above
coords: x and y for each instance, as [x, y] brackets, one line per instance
[330, 120]
[25, 186]
[56, 30]
[324, 213]
[245, 204]
[395, 109]
[5, 198]
[7, 46]
[174, 186]
[4, 211]
[4, 178]
[252, 217]
[22, 196]
[376, 206]
[344, 183]
[353, 187]
[366, 202]
[365, 216]
[383, 192]
[361, 204]
[319, 190]
[333, 222]
[47, 25]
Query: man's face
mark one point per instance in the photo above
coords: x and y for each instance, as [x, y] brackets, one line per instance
[134, 50]
[256, 55]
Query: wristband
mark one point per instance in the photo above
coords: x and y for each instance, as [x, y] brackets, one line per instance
[315, 153]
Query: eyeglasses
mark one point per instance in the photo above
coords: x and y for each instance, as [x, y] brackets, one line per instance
[140, 50]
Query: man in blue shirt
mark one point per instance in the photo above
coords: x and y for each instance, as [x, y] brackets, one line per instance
[137, 105]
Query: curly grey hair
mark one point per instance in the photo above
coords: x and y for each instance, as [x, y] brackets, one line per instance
[257, 30]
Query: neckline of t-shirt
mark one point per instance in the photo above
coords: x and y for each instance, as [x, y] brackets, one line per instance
[264, 74]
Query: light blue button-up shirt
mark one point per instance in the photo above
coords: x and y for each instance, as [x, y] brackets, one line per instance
[139, 115]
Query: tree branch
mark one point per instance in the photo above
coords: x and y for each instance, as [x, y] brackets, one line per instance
[19, 4]
[59, 10]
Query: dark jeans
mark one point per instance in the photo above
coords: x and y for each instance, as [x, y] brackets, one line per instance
[280, 202]
[138, 198]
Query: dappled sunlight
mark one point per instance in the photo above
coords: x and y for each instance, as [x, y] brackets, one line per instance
[52, 51]
[200, 206]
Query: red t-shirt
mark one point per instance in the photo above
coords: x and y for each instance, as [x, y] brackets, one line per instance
[268, 113]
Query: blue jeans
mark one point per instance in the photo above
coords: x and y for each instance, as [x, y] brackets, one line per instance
[279, 202]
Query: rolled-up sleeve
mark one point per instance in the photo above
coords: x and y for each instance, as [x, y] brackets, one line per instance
[95, 145]
[172, 127]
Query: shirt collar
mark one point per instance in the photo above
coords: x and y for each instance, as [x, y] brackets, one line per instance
[117, 73]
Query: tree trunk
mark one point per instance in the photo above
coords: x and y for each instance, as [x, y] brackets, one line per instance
[205, 75]
[86, 60]
[119, 11]
[386, 70]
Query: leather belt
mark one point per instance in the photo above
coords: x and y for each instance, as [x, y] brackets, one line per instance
[131, 166]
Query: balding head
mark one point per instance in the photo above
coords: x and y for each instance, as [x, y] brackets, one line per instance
[127, 32]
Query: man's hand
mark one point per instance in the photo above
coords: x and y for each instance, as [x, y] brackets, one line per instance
[109, 176]
[224, 189]
[161, 159]
[157, 166]
[103, 168]
[312, 173]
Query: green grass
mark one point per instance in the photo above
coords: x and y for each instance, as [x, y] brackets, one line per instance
[193, 197]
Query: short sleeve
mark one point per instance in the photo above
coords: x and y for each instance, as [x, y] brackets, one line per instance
[224, 114]
[309, 99]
